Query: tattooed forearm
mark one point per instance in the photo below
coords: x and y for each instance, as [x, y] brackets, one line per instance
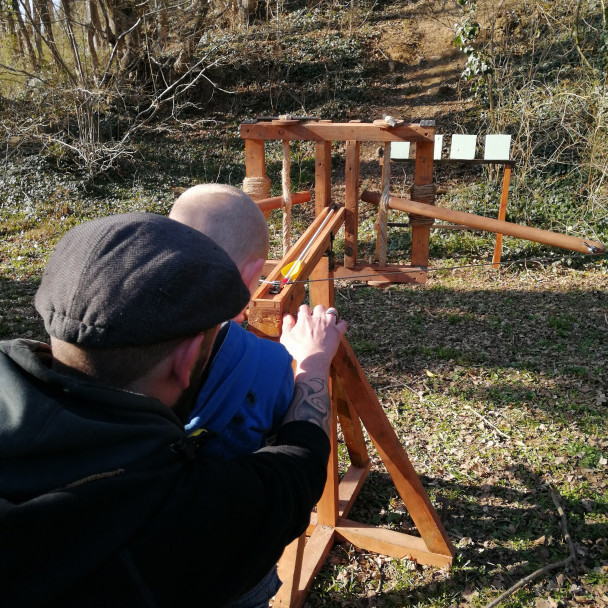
[311, 403]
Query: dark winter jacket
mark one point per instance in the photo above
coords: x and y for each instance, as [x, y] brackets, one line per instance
[104, 501]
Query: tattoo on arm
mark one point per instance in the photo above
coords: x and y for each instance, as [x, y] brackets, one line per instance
[311, 402]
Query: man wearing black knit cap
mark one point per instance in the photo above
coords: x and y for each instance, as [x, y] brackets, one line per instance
[104, 501]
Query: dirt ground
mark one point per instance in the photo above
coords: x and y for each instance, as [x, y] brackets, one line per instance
[421, 80]
[423, 64]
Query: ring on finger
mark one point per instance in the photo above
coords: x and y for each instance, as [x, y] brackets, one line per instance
[333, 312]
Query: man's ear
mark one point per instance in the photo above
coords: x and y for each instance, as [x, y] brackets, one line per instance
[251, 273]
[184, 358]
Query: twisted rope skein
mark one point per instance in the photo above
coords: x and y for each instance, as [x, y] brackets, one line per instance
[257, 187]
[285, 182]
[422, 194]
[381, 238]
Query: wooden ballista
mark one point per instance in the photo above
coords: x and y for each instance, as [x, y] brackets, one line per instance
[354, 403]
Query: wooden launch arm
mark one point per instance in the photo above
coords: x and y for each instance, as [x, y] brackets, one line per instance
[528, 233]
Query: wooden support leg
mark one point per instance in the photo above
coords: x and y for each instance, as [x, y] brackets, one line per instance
[391, 452]
[502, 213]
[290, 568]
[351, 428]
[315, 552]
[327, 507]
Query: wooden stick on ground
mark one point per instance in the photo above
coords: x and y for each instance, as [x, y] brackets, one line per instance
[549, 567]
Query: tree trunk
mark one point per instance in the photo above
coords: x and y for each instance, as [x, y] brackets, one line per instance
[45, 10]
[24, 34]
[36, 22]
[125, 17]
[163, 21]
[17, 43]
[65, 5]
[93, 31]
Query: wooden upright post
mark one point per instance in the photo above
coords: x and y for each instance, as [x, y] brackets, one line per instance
[502, 213]
[351, 203]
[255, 160]
[322, 176]
[256, 182]
[423, 176]
[321, 289]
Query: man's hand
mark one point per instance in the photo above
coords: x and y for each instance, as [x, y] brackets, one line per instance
[313, 339]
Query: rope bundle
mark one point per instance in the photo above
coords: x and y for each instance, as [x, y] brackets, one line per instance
[385, 198]
[422, 194]
[286, 186]
[257, 187]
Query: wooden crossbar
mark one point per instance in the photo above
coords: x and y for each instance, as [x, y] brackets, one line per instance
[329, 131]
[276, 202]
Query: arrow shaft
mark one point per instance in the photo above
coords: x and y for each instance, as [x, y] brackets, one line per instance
[295, 264]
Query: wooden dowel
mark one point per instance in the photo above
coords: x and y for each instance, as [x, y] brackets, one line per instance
[275, 202]
[491, 225]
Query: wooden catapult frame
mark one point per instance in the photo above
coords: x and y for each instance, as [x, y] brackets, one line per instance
[354, 403]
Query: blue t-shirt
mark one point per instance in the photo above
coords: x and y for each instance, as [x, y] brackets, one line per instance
[247, 391]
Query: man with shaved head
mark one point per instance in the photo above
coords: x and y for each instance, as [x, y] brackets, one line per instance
[248, 383]
[233, 220]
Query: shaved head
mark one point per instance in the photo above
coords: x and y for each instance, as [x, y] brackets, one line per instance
[228, 216]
